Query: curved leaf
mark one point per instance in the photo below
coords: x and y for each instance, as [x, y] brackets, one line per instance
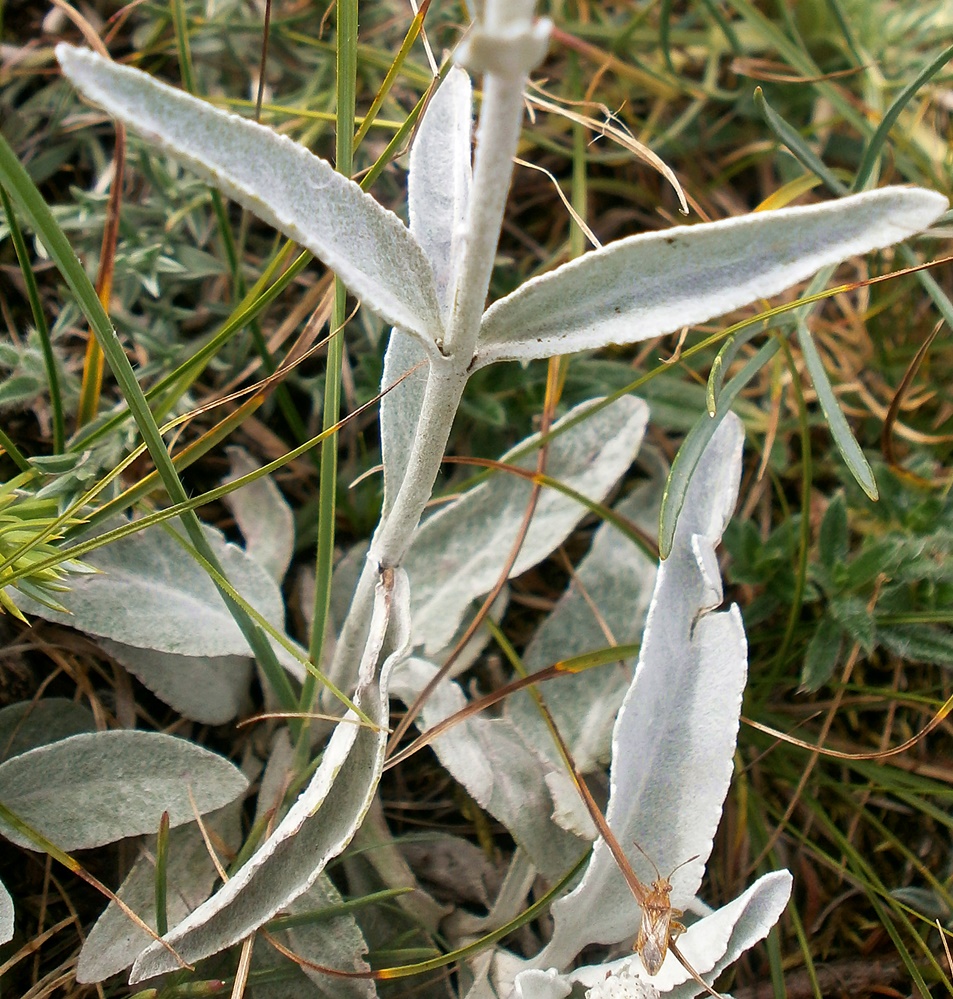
[302, 196]
[675, 734]
[693, 447]
[655, 283]
[844, 438]
[438, 184]
[321, 822]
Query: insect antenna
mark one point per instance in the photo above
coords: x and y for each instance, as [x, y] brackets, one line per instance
[658, 873]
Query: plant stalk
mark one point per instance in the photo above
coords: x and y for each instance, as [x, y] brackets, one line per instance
[497, 138]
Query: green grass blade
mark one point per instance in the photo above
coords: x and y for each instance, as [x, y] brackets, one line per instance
[879, 138]
[24, 193]
[327, 489]
[689, 454]
[798, 148]
[836, 421]
[42, 329]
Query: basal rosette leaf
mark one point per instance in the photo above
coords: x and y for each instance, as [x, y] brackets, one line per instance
[97, 787]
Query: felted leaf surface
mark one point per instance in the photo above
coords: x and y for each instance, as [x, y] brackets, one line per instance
[277, 775]
[438, 184]
[400, 408]
[610, 592]
[675, 734]
[459, 552]
[321, 822]
[207, 689]
[333, 940]
[438, 191]
[114, 941]
[549, 984]
[6, 915]
[151, 593]
[284, 184]
[29, 724]
[499, 770]
[712, 943]
[655, 283]
[750, 917]
[98, 787]
[289, 981]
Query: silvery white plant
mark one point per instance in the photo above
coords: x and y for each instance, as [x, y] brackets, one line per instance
[430, 281]
[672, 747]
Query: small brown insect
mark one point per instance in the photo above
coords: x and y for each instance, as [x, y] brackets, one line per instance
[660, 925]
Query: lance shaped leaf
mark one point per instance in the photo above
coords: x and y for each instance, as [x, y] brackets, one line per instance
[675, 734]
[302, 196]
[438, 192]
[438, 183]
[654, 283]
[320, 824]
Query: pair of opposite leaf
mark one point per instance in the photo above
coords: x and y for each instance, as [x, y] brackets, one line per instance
[630, 290]
[633, 289]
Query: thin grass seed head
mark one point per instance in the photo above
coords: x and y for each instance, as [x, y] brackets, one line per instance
[24, 543]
